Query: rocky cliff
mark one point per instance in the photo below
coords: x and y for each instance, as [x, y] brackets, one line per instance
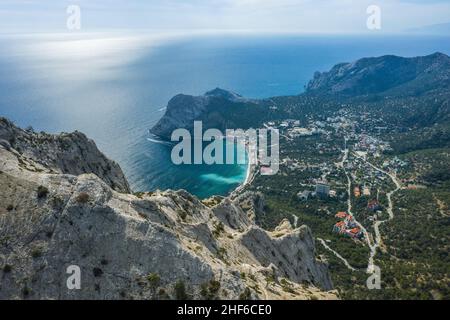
[63, 203]
[67, 153]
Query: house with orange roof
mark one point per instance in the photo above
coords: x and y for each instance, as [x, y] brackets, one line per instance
[339, 227]
[341, 215]
[354, 233]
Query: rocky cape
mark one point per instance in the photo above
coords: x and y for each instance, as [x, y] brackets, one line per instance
[63, 203]
[217, 108]
[385, 76]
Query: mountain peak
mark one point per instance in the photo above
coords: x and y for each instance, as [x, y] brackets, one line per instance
[440, 55]
[222, 93]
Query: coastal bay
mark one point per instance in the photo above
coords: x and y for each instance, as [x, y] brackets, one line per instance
[116, 101]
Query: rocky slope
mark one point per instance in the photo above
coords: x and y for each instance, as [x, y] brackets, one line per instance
[63, 203]
[70, 153]
[387, 74]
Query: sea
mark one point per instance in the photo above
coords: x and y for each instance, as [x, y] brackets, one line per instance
[115, 86]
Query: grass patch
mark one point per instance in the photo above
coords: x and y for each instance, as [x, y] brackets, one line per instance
[180, 291]
[7, 268]
[42, 192]
[83, 197]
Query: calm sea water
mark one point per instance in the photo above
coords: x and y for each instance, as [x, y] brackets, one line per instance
[115, 88]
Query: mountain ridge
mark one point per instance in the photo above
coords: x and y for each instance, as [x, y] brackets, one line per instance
[382, 75]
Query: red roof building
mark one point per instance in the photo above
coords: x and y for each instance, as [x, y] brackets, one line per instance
[341, 215]
[354, 233]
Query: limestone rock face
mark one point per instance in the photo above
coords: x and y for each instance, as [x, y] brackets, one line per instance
[291, 251]
[69, 153]
[157, 245]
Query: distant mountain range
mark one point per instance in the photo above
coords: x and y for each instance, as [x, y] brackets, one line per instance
[388, 74]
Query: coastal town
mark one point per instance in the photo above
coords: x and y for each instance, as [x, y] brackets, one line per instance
[337, 175]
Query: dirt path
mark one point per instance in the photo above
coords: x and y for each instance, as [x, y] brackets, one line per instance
[295, 220]
[336, 254]
[441, 205]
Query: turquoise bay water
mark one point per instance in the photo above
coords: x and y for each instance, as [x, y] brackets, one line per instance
[114, 90]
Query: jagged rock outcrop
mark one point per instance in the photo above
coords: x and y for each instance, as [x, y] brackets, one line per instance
[71, 153]
[145, 246]
[388, 74]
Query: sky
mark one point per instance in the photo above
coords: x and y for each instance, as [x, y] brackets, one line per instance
[307, 16]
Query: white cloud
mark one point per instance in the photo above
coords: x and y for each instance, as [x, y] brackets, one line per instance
[282, 15]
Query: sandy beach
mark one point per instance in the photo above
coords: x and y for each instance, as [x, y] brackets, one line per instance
[251, 172]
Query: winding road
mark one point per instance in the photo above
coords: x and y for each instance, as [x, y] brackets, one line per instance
[349, 200]
[378, 240]
[371, 267]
